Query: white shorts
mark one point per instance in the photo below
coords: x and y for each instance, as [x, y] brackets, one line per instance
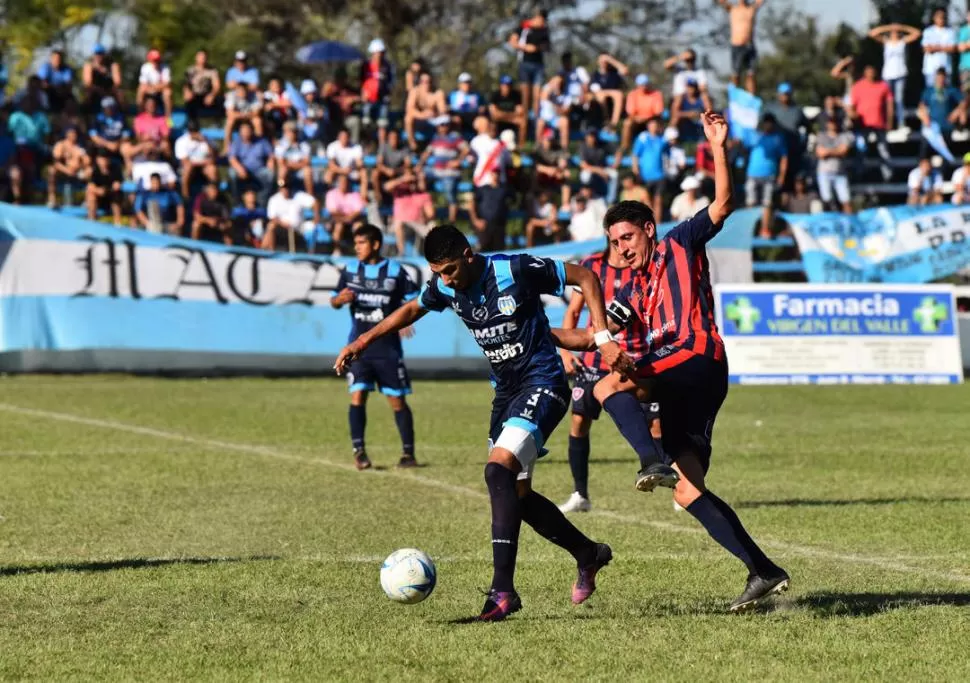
[522, 445]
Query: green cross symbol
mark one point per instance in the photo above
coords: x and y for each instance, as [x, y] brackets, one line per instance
[929, 314]
[743, 314]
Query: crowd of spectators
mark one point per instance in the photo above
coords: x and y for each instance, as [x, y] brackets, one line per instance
[236, 157]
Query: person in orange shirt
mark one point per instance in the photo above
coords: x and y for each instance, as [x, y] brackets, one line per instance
[642, 104]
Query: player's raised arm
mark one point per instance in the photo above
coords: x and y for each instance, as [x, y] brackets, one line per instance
[406, 315]
[716, 131]
[587, 281]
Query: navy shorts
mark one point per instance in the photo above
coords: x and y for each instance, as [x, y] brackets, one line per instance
[538, 410]
[690, 390]
[389, 374]
[532, 73]
[584, 403]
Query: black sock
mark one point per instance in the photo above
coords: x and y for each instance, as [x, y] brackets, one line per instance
[542, 515]
[724, 527]
[579, 463]
[358, 421]
[626, 412]
[506, 520]
[405, 427]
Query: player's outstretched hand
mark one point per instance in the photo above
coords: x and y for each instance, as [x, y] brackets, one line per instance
[715, 128]
[618, 361]
[348, 355]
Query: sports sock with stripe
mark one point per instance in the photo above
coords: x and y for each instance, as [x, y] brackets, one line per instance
[506, 522]
[579, 463]
[405, 427]
[358, 422]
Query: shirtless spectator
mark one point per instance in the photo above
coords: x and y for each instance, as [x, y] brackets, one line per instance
[70, 165]
[242, 104]
[104, 188]
[743, 53]
[425, 102]
[506, 110]
[642, 104]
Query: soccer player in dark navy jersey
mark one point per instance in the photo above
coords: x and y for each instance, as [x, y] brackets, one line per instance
[685, 369]
[375, 287]
[498, 299]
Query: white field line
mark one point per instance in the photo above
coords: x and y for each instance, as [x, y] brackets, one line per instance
[79, 451]
[883, 563]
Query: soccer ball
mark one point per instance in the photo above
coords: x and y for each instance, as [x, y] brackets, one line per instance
[408, 576]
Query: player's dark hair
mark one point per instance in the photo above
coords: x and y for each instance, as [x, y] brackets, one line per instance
[637, 213]
[371, 232]
[445, 243]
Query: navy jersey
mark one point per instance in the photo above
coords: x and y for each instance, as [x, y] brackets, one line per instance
[504, 313]
[379, 289]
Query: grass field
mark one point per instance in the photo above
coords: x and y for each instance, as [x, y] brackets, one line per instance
[167, 530]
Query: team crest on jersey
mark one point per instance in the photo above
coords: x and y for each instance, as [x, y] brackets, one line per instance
[507, 305]
[371, 284]
[578, 393]
[480, 313]
[389, 283]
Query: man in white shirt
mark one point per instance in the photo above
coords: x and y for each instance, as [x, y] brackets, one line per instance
[155, 80]
[939, 44]
[293, 157]
[961, 182]
[195, 157]
[489, 212]
[685, 65]
[925, 184]
[346, 159]
[152, 164]
[286, 214]
[688, 203]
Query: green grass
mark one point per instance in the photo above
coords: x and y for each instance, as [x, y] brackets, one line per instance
[170, 530]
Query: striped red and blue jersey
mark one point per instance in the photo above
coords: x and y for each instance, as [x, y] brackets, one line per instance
[613, 280]
[673, 297]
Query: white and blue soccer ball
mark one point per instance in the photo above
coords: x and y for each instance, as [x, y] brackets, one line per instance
[408, 576]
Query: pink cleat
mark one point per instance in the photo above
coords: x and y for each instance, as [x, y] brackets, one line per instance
[586, 580]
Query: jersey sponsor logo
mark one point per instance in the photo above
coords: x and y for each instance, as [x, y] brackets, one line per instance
[504, 353]
[372, 316]
[495, 332]
[372, 298]
[507, 305]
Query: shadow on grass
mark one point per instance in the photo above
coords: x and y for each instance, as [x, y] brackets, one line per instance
[812, 502]
[129, 563]
[868, 604]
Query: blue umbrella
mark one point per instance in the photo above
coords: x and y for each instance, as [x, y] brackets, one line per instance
[324, 51]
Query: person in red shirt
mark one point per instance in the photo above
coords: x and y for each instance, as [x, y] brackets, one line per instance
[685, 369]
[872, 101]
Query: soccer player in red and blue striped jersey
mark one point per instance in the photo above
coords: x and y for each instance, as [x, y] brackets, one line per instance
[589, 368]
[685, 369]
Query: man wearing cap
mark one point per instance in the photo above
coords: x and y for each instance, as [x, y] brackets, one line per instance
[464, 104]
[445, 153]
[101, 77]
[155, 82]
[506, 110]
[195, 157]
[108, 130]
[689, 201]
[642, 104]
[242, 72]
[376, 82]
[201, 87]
[687, 108]
[312, 118]
[961, 182]
[790, 121]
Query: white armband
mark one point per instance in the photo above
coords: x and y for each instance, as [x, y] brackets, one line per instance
[602, 337]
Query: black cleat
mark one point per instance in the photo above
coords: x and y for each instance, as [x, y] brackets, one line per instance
[361, 460]
[499, 605]
[759, 588]
[657, 474]
[407, 462]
